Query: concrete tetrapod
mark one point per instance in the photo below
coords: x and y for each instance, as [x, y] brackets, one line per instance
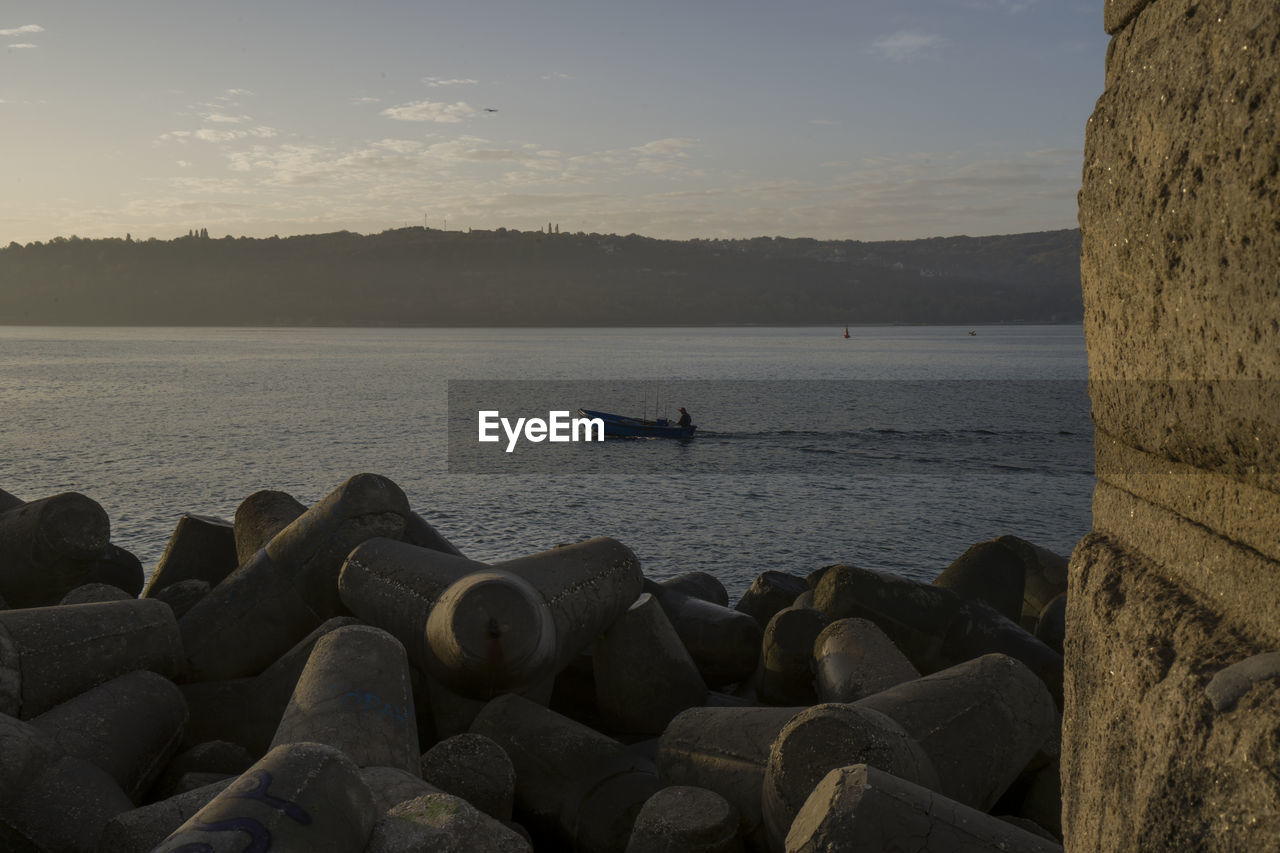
[725, 750]
[290, 586]
[247, 711]
[934, 627]
[50, 802]
[130, 727]
[201, 548]
[141, 829]
[491, 629]
[770, 592]
[991, 572]
[303, 796]
[50, 654]
[833, 735]
[354, 694]
[684, 819]
[702, 585]
[575, 787]
[860, 809]
[47, 546]
[260, 517]
[785, 673]
[473, 767]
[643, 674]
[979, 722]
[442, 823]
[94, 593]
[724, 643]
[853, 658]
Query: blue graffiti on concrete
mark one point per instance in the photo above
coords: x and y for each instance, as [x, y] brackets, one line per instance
[363, 700]
[253, 785]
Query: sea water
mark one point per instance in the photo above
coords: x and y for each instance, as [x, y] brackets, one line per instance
[894, 449]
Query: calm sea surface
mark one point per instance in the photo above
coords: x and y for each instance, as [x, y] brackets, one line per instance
[895, 449]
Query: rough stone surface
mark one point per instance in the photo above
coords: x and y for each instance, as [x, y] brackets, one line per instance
[1139, 729]
[442, 823]
[685, 819]
[991, 572]
[475, 768]
[1181, 242]
[860, 809]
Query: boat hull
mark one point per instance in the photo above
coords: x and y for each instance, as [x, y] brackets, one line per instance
[621, 426]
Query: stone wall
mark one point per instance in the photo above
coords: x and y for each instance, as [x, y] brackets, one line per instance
[1180, 216]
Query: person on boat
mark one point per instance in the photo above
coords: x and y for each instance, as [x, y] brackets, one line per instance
[685, 420]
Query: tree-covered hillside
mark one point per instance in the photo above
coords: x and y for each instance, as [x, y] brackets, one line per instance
[418, 276]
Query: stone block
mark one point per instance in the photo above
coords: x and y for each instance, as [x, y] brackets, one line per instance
[290, 585]
[50, 654]
[860, 809]
[303, 796]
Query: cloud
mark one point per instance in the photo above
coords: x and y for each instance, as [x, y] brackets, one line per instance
[904, 44]
[221, 118]
[556, 75]
[22, 47]
[23, 30]
[437, 82]
[208, 134]
[436, 111]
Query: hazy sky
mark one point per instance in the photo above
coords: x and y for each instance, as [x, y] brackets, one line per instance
[706, 118]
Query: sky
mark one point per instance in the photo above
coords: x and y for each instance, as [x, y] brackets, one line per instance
[834, 119]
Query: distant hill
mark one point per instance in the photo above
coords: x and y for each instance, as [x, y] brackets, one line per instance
[426, 277]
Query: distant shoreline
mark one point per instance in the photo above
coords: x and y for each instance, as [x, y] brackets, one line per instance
[835, 326]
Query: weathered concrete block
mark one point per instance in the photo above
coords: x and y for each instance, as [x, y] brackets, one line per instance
[201, 547]
[129, 727]
[303, 796]
[290, 586]
[725, 750]
[183, 595]
[979, 722]
[50, 654]
[247, 711]
[684, 819]
[724, 643]
[217, 756]
[702, 585]
[48, 800]
[46, 547]
[853, 658]
[769, 593]
[95, 593]
[933, 627]
[473, 767]
[990, 572]
[573, 785]
[491, 629]
[643, 674]
[140, 830]
[117, 567]
[354, 694]
[860, 809]
[1044, 577]
[1051, 628]
[260, 517]
[785, 673]
[828, 736]
[444, 823]
[392, 786]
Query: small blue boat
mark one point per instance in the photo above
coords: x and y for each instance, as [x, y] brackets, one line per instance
[622, 426]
